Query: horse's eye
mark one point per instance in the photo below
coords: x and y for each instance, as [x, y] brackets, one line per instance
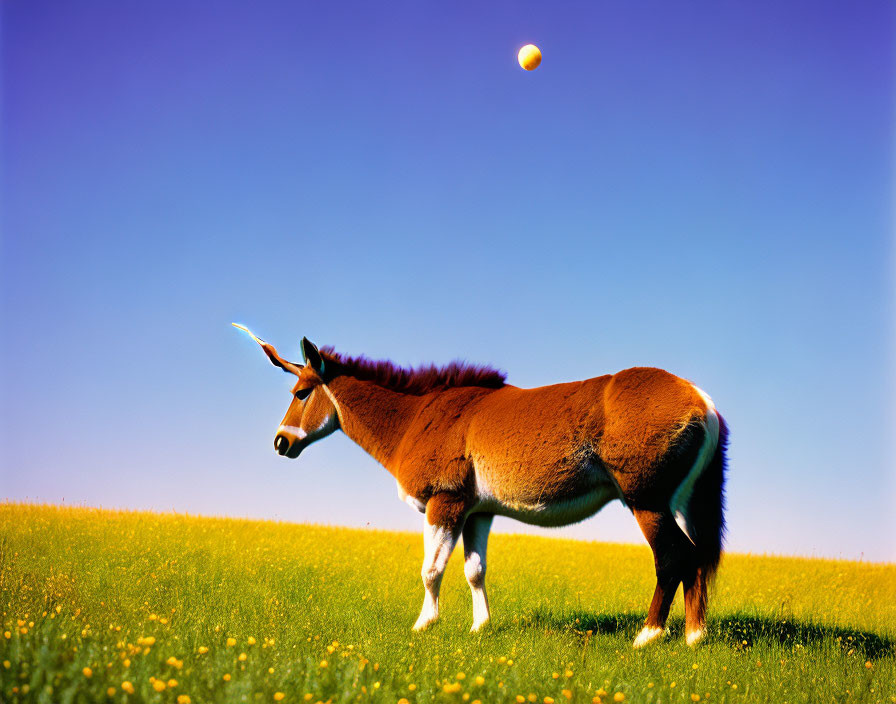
[302, 394]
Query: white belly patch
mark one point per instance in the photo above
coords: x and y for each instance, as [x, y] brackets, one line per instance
[558, 513]
[596, 488]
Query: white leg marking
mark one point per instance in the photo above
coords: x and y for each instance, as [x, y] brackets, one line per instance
[647, 635]
[695, 637]
[438, 542]
[476, 531]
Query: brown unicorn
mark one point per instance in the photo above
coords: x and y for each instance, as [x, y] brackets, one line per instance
[465, 446]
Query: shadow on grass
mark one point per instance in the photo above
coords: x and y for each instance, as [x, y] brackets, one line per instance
[738, 632]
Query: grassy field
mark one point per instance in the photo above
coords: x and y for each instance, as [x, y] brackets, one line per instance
[102, 606]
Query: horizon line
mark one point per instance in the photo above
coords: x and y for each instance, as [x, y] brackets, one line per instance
[253, 519]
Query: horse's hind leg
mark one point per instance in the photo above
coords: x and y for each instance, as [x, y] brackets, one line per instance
[672, 558]
[476, 531]
[695, 605]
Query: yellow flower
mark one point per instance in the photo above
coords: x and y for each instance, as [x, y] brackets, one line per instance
[172, 683]
[323, 663]
[226, 677]
[127, 687]
[110, 692]
[566, 693]
[619, 697]
[460, 675]
[242, 657]
[270, 670]
[174, 662]
[595, 700]
[695, 697]
[251, 640]
[6, 664]
[532, 697]
[202, 650]
[568, 673]
[87, 672]
[509, 661]
[694, 666]
[450, 688]
[520, 698]
[183, 699]
[7, 635]
[308, 697]
[601, 692]
[412, 687]
[548, 700]
[231, 642]
[158, 685]
[868, 664]
[278, 696]
[480, 679]
[502, 659]
[403, 701]
[555, 675]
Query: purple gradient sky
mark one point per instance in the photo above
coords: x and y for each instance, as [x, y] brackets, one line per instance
[704, 187]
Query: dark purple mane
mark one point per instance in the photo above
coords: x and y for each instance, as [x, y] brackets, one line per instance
[417, 381]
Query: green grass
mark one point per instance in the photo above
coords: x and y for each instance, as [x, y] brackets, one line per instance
[330, 610]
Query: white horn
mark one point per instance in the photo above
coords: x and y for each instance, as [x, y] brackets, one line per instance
[269, 350]
[248, 332]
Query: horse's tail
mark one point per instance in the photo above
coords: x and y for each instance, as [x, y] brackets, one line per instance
[698, 504]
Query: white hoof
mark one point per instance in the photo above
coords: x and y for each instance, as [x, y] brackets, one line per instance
[647, 635]
[424, 623]
[478, 626]
[694, 637]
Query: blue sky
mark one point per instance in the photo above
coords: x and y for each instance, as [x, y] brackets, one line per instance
[706, 188]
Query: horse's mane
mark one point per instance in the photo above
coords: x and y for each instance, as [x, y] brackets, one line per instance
[417, 381]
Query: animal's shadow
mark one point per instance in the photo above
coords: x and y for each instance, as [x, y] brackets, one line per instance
[738, 632]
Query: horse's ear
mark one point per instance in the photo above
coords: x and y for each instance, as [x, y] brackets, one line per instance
[272, 353]
[312, 355]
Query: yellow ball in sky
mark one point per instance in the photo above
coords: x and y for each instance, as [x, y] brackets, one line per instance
[529, 57]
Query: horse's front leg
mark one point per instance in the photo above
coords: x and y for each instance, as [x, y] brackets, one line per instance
[476, 531]
[441, 530]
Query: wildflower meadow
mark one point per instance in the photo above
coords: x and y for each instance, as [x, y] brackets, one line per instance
[106, 606]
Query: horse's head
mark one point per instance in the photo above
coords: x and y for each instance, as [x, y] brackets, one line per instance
[311, 414]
